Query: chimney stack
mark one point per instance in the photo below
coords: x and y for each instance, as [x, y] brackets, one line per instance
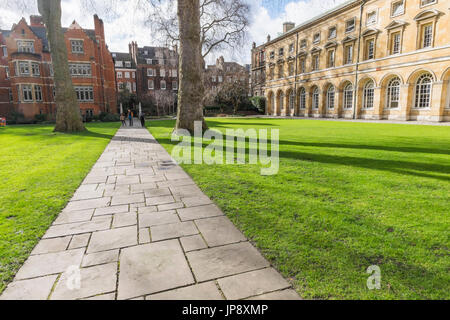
[288, 26]
[268, 38]
[36, 21]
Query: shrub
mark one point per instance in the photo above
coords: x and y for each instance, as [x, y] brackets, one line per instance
[40, 118]
[259, 103]
[109, 117]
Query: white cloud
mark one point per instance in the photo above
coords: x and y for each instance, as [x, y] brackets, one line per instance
[125, 21]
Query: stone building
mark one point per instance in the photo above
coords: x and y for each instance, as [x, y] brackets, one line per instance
[258, 70]
[376, 59]
[125, 72]
[26, 71]
[156, 75]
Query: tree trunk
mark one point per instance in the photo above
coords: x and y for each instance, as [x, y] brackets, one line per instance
[191, 91]
[68, 117]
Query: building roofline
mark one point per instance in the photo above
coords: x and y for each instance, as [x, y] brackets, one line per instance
[343, 6]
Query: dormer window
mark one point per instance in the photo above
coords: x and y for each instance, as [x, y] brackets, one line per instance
[398, 8]
[316, 38]
[424, 3]
[303, 44]
[119, 64]
[371, 17]
[128, 64]
[350, 25]
[332, 33]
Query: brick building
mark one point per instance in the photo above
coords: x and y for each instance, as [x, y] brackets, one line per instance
[375, 59]
[26, 71]
[125, 72]
[156, 75]
[223, 72]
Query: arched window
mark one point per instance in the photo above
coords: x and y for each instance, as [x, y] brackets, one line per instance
[302, 98]
[315, 98]
[423, 91]
[330, 97]
[292, 100]
[280, 102]
[393, 93]
[368, 95]
[348, 96]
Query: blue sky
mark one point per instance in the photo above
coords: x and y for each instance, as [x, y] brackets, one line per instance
[267, 17]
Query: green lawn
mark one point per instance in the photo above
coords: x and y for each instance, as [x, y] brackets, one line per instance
[347, 196]
[40, 170]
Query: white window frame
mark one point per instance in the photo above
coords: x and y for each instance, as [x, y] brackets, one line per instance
[316, 38]
[77, 46]
[348, 96]
[420, 95]
[331, 94]
[163, 85]
[27, 93]
[302, 98]
[152, 86]
[393, 93]
[150, 72]
[26, 46]
[38, 93]
[368, 95]
[425, 3]
[84, 93]
[174, 85]
[375, 13]
[119, 75]
[315, 98]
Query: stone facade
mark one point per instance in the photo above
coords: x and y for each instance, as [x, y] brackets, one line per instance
[26, 72]
[376, 59]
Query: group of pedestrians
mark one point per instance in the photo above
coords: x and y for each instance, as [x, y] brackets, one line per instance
[130, 116]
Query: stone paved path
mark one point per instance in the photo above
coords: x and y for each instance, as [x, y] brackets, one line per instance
[139, 228]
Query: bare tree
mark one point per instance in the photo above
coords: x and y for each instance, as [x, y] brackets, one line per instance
[68, 117]
[200, 27]
[222, 23]
[233, 93]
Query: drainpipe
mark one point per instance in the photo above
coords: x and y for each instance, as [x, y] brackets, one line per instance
[295, 77]
[355, 100]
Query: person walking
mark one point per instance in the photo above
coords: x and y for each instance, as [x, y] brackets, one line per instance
[130, 117]
[122, 118]
[142, 118]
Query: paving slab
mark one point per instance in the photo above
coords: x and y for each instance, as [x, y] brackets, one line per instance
[224, 261]
[158, 218]
[288, 294]
[152, 268]
[88, 204]
[159, 200]
[192, 243]
[49, 263]
[204, 291]
[174, 230]
[93, 281]
[111, 210]
[100, 258]
[107, 296]
[127, 199]
[32, 289]
[100, 223]
[74, 216]
[113, 239]
[79, 241]
[124, 220]
[253, 283]
[219, 231]
[201, 212]
[51, 245]
[170, 206]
